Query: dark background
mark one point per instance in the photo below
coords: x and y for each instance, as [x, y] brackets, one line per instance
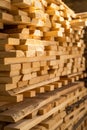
[77, 5]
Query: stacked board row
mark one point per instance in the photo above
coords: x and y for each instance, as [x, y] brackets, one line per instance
[36, 52]
[83, 16]
[57, 110]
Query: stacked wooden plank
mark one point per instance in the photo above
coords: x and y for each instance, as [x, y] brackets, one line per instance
[68, 120]
[41, 57]
[49, 48]
[83, 16]
[57, 107]
[82, 124]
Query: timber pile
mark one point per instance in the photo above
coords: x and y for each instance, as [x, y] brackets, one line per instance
[34, 54]
[82, 124]
[70, 119]
[83, 16]
[58, 109]
[41, 60]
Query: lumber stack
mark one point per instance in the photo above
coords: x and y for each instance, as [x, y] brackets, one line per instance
[41, 60]
[82, 123]
[48, 49]
[63, 121]
[83, 16]
[50, 111]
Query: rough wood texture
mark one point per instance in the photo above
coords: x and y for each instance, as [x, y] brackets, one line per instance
[41, 63]
[47, 49]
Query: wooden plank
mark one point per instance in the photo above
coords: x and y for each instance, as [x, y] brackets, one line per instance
[53, 122]
[76, 23]
[26, 77]
[31, 123]
[12, 54]
[81, 15]
[10, 41]
[26, 88]
[80, 114]
[54, 33]
[38, 79]
[49, 87]
[29, 47]
[17, 98]
[21, 3]
[11, 113]
[6, 17]
[10, 74]
[29, 94]
[6, 47]
[40, 90]
[7, 61]
[11, 67]
[39, 128]
[6, 87]
[21, 19]
[45, 109]
[22, 83]
[38, 42]
[7, 79]
[6, 5]
[33, 86]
